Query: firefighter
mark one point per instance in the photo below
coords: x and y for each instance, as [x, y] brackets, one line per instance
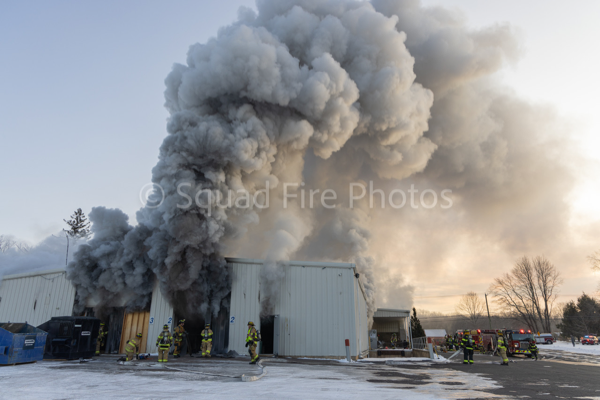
[100, 340]
[178, 335]
[133, 347]
[251, 342]
[164, 344]
[206, 334]
[502, 348]
[394, 340]
[533, 349]
[479, 346]
[467, 345]
[449, 343]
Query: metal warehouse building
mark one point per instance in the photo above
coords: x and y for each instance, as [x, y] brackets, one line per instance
[36, 297]
[319, 307]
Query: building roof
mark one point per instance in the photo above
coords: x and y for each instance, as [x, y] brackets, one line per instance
[294, 263]
[35, 273]
[391, 313]
[435, 332]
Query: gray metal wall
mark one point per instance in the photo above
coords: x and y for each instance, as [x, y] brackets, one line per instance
[362, 324]
[321, 305]
[36, 297]
[161, 313]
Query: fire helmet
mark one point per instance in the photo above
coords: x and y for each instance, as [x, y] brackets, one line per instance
[250, 323]
[181, 321]
[139, 335]
[165, 326]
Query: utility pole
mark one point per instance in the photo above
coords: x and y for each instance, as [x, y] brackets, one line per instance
[488, 310]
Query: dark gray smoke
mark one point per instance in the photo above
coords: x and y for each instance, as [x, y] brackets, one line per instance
[326, 93]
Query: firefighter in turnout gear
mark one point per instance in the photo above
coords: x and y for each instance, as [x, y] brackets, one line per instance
[251, 342]
[206, 334]
[101, 336]
[132, 348]
[394, 340]
[467, 344]
[502, 348]
[449, 343]
[164, 344]
[533, 349]
[178, 335]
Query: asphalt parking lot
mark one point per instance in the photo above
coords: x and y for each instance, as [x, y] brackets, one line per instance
[564, 376]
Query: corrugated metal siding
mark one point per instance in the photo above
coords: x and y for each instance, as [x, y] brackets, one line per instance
[317, 308]
[317, 311]
[161, 313]
[245, 305]
[362, 325]
[36, 298]
[391, 313]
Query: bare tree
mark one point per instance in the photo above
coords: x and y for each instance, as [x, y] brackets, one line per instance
[23, 247]
[529, 292]
[8, 242]
[471, 306]
[594, 259]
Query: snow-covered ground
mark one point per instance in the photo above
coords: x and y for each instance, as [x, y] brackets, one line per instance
[568, 346]
[101, 379]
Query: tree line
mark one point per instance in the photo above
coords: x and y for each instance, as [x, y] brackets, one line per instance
[526, 297]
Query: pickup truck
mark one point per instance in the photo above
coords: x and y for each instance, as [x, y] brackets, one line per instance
[544, 338]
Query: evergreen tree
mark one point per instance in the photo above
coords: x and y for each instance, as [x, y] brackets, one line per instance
[581, 318]
[79, 228]
[415, 325]
[78, 224]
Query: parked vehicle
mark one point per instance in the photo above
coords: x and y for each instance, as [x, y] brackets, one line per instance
[589, 339]
[544, 338]
[517, 341]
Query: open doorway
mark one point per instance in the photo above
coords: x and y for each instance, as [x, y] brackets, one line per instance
[269, 332]
[194, 325]
[114, 326]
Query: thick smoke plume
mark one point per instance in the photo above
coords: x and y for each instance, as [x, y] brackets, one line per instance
[20, 258]
[321, 94]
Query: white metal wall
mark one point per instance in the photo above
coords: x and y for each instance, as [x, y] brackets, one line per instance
[36, 297]
[161, 313]
[318, 308]
[245, 305]
[362, 324]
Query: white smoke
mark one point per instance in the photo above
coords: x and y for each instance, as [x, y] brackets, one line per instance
[50, 253]
[324, 93]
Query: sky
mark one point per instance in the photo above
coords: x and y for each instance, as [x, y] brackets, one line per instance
[82, 109]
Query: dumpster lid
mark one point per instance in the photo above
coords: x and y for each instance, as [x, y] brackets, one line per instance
[20, 327]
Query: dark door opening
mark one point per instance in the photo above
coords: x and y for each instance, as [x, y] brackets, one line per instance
[194, 326]
[268, 325]
[114, 325]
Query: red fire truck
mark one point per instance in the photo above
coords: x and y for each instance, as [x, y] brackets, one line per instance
[517, 341]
